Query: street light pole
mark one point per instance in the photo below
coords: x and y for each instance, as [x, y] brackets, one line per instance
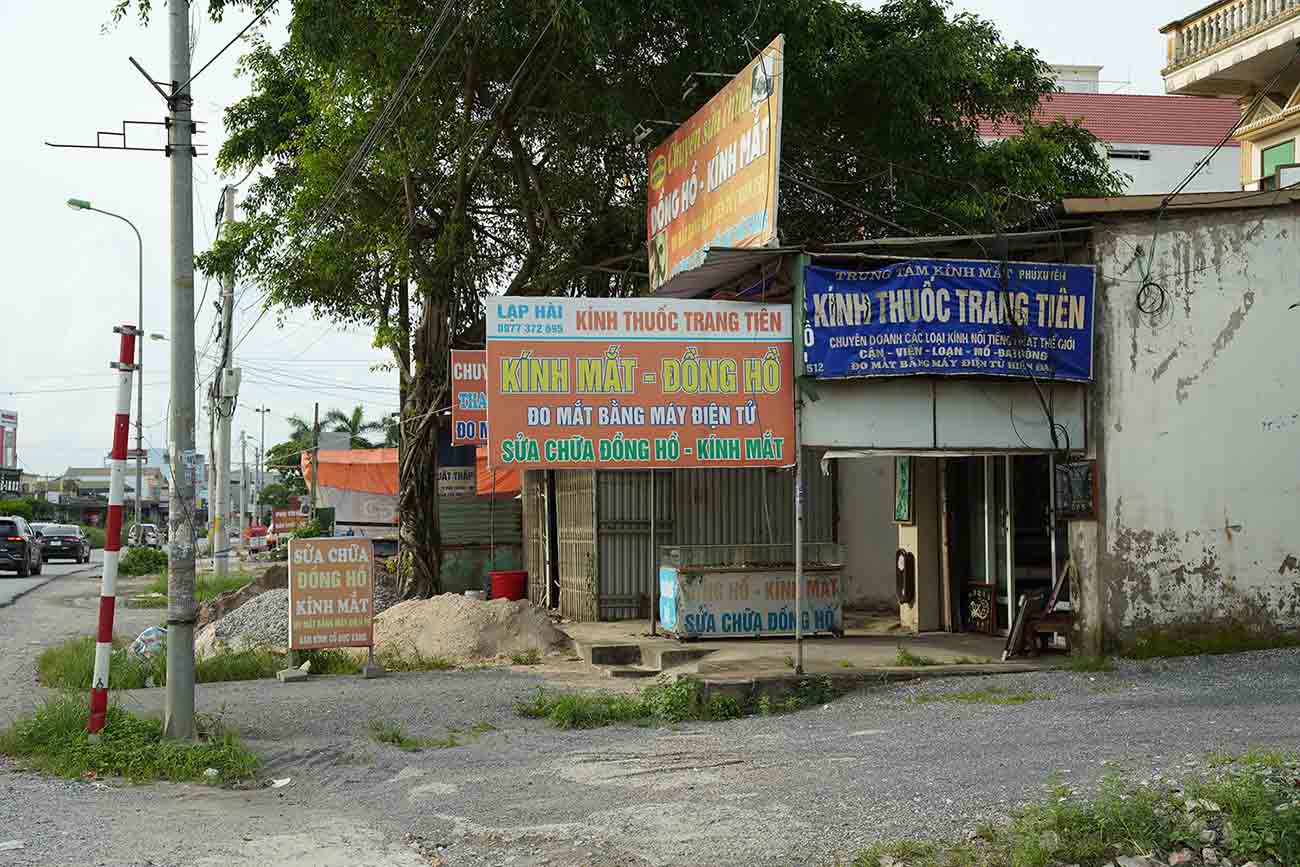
[261, 464]
[83, 205]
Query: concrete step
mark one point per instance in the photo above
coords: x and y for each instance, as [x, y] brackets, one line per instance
[663, 658]
[632, 671]
[610, 654]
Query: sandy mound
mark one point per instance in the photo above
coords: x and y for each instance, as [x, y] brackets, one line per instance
[466, 629]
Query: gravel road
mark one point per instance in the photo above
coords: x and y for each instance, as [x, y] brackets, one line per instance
[791, 790]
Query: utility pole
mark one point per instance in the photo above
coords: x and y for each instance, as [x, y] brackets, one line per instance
[181, 608]
[315, 458]
[228, 383]
[243, 491]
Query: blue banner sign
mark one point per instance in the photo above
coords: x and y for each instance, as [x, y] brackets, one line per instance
[949, 318]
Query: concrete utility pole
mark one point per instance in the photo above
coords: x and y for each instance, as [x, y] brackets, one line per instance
[228, 396]
[243, 490]
[182, 611]
[315, 458]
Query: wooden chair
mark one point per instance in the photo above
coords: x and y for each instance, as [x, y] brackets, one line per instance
[1038, 620]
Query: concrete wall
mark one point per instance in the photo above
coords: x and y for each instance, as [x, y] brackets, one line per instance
[1197, 425]
[867, 531]
[924, 540]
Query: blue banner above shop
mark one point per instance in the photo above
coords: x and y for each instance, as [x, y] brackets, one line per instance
[949, 318]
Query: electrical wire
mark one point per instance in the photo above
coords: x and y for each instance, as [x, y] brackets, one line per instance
[224, 48]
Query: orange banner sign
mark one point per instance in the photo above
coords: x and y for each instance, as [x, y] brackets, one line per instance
[713, 182]
[632, 383]
[468, 397]
[331, 593]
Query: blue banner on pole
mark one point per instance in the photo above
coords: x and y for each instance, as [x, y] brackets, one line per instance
[949, 318]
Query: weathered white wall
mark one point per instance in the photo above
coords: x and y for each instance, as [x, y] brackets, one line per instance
[867, 531]
[1199, 422]
[1169, 164]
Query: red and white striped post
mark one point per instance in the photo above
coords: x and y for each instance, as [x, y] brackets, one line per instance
[125, 367]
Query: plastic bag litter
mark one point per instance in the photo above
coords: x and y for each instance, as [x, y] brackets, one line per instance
[149, 644]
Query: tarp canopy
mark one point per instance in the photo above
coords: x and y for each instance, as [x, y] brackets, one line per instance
[498, 482]
[371, 471]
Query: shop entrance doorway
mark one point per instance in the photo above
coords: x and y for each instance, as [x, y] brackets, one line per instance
[1001, 537]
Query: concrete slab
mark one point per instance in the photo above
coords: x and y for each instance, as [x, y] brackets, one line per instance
[872, 644]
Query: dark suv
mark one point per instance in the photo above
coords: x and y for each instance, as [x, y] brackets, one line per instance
[20, 547]
[64, 541]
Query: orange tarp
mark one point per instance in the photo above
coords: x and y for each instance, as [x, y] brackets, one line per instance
[373, 471]
[507, 481]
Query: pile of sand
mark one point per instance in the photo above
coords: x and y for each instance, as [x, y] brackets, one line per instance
[466, 629]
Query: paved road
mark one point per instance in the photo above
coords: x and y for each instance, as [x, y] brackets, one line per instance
[13, 587]
[770, 792]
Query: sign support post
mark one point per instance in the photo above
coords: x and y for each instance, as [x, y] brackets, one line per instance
[798, 535]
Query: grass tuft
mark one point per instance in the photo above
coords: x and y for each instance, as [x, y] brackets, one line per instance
[71, 665]
[386, 732]
[532, 656]
[989, 695]
[1088, 664]
[54, 740]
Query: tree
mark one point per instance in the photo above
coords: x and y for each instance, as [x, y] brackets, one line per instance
[286, 459]
[510, 159]
[354, 425]
[276, 495]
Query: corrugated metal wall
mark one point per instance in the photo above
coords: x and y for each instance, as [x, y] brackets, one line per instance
[475, 520]
[575, 505]
[533, 508]
[754, 506]
[623, 522]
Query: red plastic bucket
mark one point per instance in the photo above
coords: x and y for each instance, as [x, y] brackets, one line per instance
[509, 585]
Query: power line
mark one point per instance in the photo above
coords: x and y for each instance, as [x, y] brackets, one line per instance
[247, 27]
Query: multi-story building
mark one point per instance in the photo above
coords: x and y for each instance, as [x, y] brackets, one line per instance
[1154, 140]
[1247, 50]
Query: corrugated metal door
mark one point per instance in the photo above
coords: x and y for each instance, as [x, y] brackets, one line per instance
[623, 521]
[575, 496]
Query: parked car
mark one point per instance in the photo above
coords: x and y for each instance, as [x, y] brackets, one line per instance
[65, 541]
[20, 547]
[151, 537]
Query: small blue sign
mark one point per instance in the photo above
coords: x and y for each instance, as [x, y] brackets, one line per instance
[950, 318]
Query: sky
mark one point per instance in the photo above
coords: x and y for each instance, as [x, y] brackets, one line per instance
[69, 277]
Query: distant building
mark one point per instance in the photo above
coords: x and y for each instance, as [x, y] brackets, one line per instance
[155, 493]
[1244, 49]
[1078, 79]
[1155, 140]
[8, 439]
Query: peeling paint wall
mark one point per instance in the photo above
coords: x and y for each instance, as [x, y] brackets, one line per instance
[1199, 413]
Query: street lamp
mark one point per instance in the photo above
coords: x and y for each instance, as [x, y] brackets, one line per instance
[261, 464]
[83, 205]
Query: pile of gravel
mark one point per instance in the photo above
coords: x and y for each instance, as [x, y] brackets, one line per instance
[386, 595]
[262, 621]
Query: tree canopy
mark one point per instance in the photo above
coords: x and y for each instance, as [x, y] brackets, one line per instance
[417, 155]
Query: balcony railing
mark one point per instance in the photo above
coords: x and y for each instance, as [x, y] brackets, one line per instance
[1224, 24]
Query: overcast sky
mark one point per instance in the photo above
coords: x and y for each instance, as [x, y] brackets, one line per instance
[70, 276]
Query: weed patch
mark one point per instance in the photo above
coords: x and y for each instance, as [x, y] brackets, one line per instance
[1209, 639]
[71, 665]
[907, 659]
[386, 732]
[990, 695]
[532, 656]
[143, 561]
[1250, 802]
[207, 587]
[1088, 664]
[411, 659]
[54, 740]
[664, 703]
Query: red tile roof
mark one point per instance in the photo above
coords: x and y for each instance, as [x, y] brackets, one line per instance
[1124, 118]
